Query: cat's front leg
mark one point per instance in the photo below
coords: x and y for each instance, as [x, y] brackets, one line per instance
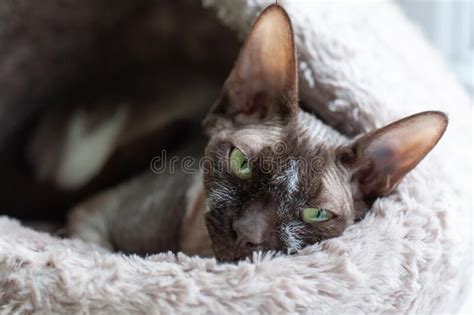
[89, 222]
[151, 214]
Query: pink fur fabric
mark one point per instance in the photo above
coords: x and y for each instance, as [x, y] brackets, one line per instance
[411, 254]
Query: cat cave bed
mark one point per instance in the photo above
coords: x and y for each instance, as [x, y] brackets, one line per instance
[361, 66]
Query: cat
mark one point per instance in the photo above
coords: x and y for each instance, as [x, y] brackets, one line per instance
[90, 112]
[271, 181]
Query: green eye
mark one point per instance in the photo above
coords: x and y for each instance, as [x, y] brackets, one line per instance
[313, 215]
[240, 165]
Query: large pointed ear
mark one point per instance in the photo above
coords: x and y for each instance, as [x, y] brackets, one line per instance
[263, 82]
[381, 158]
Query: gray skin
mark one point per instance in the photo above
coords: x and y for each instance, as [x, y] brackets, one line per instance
[296, 162]
[142, 216]
[62, 52]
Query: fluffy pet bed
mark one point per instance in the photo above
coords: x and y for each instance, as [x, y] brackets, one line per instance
[361, 65]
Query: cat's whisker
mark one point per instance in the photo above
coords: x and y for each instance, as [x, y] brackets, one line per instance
[291, 235]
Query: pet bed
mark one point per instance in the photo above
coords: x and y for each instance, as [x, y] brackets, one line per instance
[361, 66]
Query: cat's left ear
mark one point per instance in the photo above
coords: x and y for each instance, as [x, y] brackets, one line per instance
[381, 158]
[263, 82]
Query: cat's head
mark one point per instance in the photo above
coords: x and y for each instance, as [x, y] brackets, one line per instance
[272, 183]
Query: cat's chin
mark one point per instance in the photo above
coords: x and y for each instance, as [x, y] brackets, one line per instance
[224, 243]
[250, 255]
[232, 256]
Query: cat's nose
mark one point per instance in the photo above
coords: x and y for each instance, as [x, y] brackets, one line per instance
[247, 237]
[250, 229]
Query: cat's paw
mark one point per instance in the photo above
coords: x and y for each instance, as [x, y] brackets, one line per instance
[89, 225]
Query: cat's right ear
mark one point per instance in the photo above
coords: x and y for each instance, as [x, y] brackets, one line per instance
[380, 159]
[264, 81]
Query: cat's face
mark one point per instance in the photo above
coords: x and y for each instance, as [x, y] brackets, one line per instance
[272, 181]
[289, 172]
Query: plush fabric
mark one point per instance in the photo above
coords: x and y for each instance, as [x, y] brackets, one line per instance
[362, 65]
